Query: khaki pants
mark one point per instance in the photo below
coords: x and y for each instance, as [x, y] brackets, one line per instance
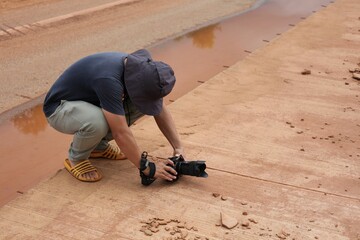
[88, 125]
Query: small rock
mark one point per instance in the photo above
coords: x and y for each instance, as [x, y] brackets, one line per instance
[148, 232]
[306, 72]
[356, 76]
[286, 81]
[228, 221]
[245, 224]
[188, 227]
[223, 198]
[216, 194]
[183, 234]
[154, 229]
[155, 224]
[147, 222]
[355, 70]
[253, 220]
[181, 225]
[162, 222]
[282, 235]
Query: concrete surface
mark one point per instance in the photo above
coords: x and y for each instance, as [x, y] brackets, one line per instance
[281, 148]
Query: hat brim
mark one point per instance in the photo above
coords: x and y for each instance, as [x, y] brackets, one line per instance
[135, 85]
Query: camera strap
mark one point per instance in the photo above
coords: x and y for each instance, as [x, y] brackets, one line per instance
[144, 163]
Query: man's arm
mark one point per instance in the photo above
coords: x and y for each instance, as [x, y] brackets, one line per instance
[166, 124]
[127, 143]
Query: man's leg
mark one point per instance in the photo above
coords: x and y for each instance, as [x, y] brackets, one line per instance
[132, 115]
[86, 122]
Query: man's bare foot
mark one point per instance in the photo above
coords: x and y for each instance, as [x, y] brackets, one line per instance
[93, 175]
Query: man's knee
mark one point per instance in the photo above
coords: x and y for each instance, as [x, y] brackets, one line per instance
[98, 127]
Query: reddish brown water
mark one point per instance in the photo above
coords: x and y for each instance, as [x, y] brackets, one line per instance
[32, 151]
[201, 54]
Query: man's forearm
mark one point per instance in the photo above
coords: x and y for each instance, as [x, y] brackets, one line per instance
[123, 137]
[128, 145]
[166, 125]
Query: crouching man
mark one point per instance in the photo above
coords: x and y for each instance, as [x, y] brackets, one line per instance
[99, 97]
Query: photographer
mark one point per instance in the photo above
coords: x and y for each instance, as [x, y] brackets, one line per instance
[99, 97]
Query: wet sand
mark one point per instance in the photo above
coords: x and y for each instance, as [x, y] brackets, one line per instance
[281, 149]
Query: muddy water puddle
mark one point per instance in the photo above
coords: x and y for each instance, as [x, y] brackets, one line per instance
[32, 151]
[201, 54]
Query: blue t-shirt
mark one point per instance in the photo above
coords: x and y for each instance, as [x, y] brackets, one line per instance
[96, 79]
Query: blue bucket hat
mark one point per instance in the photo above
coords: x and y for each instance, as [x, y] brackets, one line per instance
[147, 81]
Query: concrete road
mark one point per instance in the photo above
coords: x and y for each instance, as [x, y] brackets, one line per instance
[281, 149]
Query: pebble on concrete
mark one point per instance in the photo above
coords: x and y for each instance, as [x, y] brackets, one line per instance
[228, 221]
[306, 72]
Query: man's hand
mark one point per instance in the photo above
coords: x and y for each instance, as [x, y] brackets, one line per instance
[163, 171]
[178, 152]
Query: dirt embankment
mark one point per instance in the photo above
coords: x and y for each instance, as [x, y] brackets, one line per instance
[13, 4]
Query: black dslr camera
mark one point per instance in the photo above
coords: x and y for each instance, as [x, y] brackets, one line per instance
[182, 167]
[191, 168]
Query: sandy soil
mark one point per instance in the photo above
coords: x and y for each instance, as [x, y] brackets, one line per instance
[6, 5]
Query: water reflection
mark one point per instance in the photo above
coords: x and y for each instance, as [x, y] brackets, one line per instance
[204, 37]
[31, 121]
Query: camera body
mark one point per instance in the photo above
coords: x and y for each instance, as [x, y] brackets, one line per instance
[191, 168]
